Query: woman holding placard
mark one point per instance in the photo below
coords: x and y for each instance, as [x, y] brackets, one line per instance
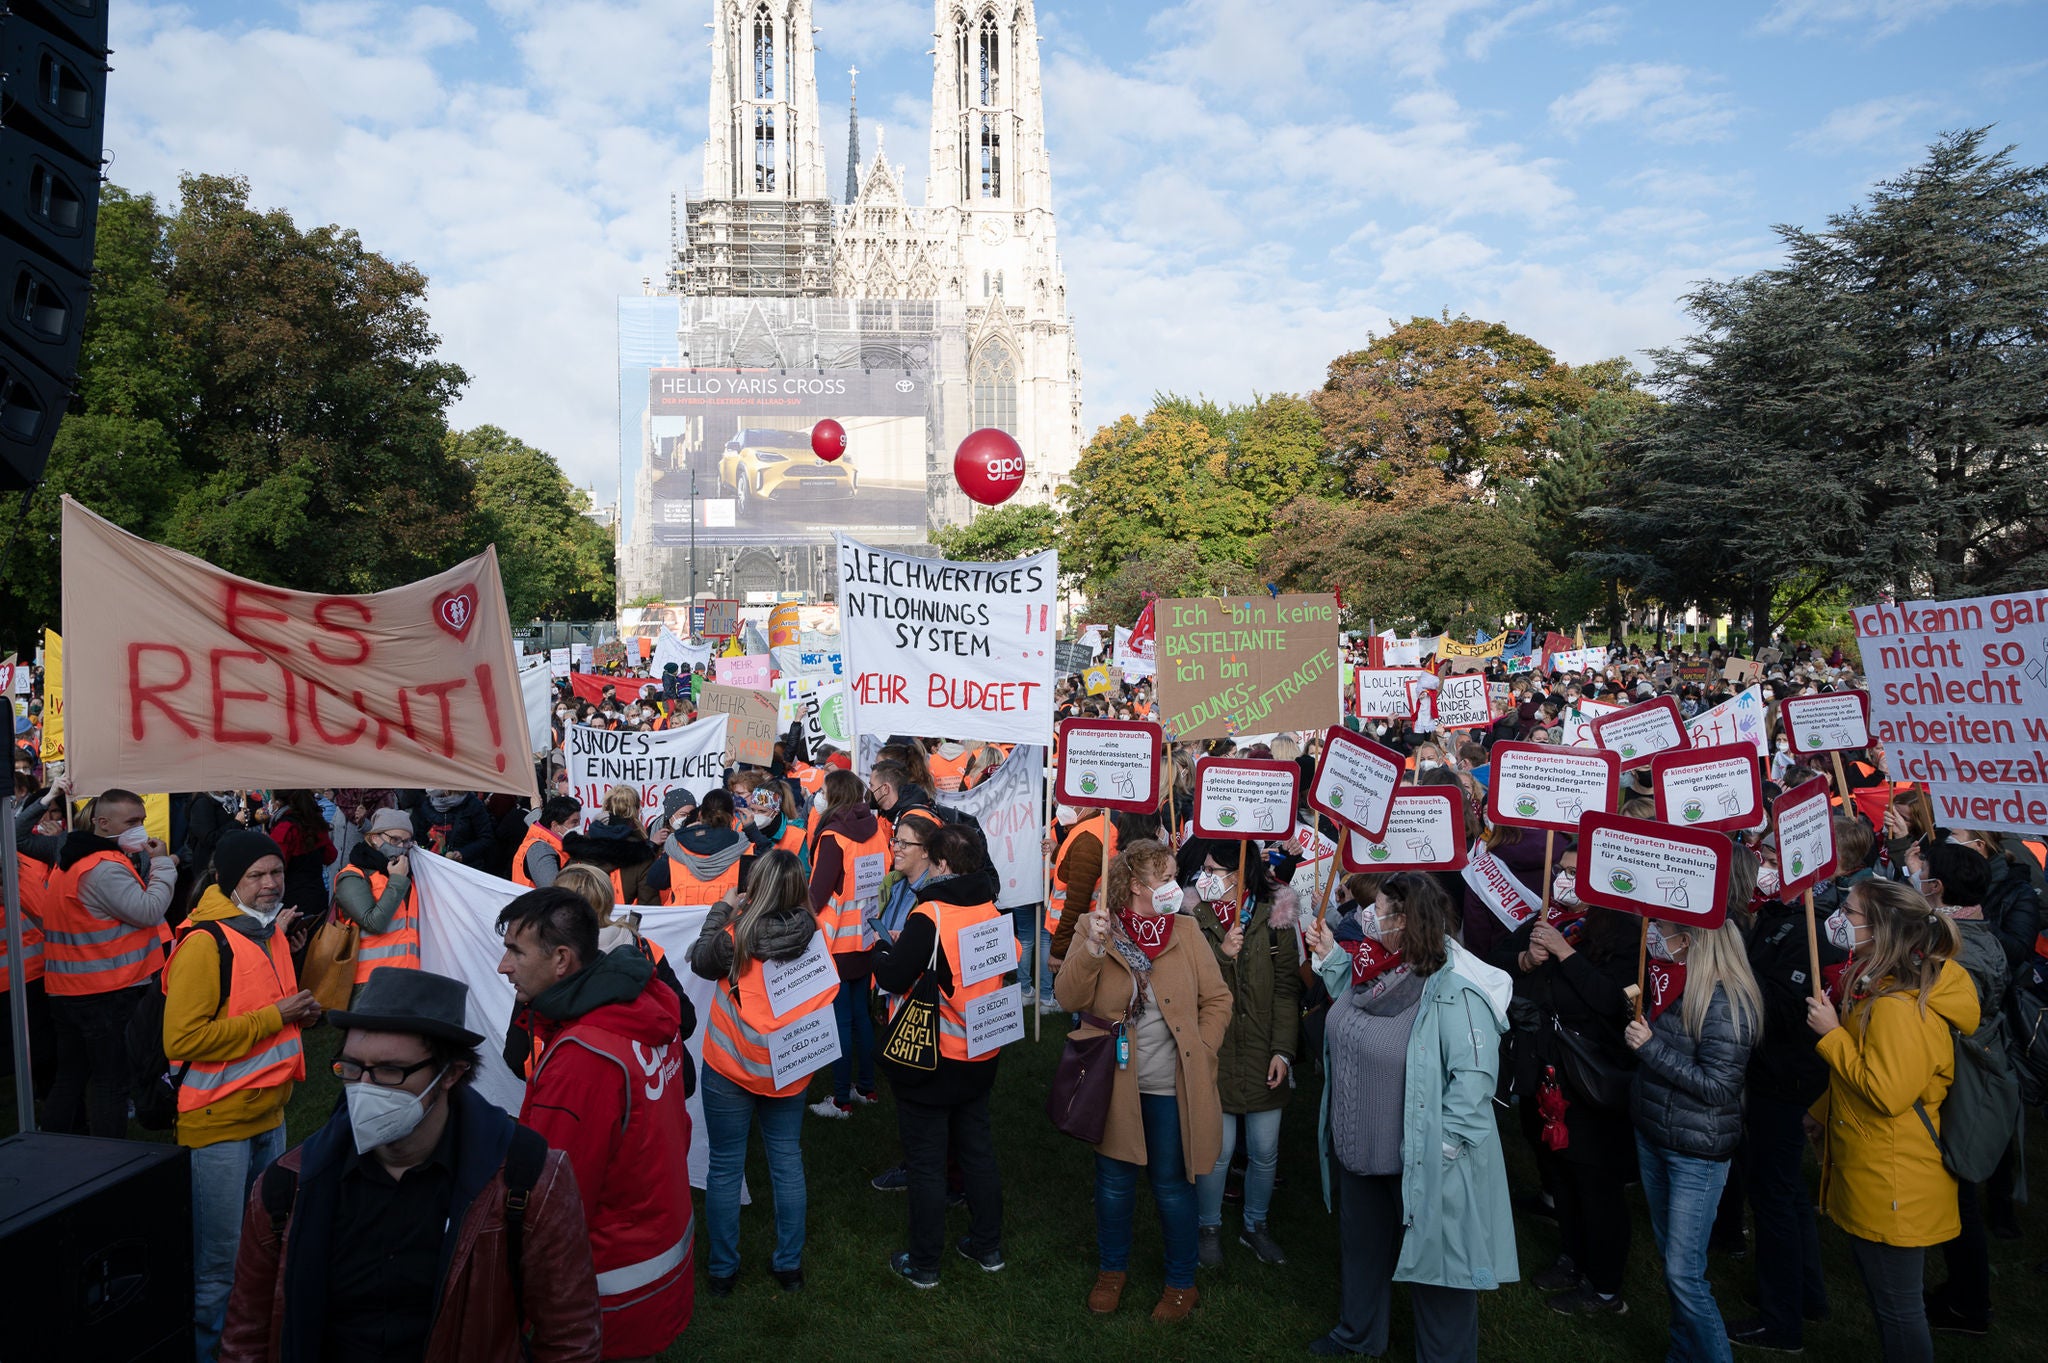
[1250, 927]
[1408, 1141]
[1890, 1063]
[1140, 970]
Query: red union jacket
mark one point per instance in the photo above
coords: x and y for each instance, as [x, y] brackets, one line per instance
[607, 1091]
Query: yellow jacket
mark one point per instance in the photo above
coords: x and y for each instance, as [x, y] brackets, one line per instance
[1881, 1173]
[192, 1032]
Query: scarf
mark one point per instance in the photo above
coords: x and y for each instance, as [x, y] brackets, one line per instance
[1148, 932]
[1667, 986]
[1374, 969]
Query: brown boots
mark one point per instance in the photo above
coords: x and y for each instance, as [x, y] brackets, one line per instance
[1107, 1292]
[1175, 1303]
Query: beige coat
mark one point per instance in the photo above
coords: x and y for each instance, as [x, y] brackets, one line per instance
[1190, 994]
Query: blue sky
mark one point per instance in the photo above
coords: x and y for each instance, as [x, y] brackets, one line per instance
[1246, 189]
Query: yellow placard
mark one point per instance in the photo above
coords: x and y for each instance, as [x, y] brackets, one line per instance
[53, 696]
[1100, 680]
[1447, 647]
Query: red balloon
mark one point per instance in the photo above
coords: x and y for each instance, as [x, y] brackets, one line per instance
[989, 466]
[828, 440]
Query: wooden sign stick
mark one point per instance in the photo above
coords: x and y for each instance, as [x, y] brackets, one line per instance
[1642, 968]
[1812, 946]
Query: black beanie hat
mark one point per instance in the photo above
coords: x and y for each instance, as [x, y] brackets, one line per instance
[236, 852]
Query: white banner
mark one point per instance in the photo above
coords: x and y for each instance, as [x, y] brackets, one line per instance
[1006, 804]
[537, 691]
[668, 648]
[948, 650]
[459, 938]
[654, 762]
[1739, 719]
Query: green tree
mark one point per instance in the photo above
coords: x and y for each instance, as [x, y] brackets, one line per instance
[1443, 409]
[1166, 569]
[557, 563]
[1000, 533]
[1139, 486]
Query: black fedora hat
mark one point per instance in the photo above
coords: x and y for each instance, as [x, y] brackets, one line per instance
[416, 1001]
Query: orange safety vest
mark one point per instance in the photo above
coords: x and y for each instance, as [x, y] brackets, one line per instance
[685, 888]
[792, 839]
[88, 953]
[2036, 849]
[809, 777]
[948, 771]
[535, 832]
[1058, 903]
[844, 919]
[261, 977]
[949, 921]
[34, 879]
[399, 943]
[736, 1043]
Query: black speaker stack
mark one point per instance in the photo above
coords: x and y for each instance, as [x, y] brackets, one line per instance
[53, 89]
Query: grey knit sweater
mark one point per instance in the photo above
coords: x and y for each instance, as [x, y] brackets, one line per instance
[1368, 1075]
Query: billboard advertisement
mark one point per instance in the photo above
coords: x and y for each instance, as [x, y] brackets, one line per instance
[717, 399]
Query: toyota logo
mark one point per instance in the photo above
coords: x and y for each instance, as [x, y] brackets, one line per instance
[905, 386]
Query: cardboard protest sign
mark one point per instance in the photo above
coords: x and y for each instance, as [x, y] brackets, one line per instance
[1110, 764]
[1719, 787]
[1242, 797]
[1675, 875]
[721, 619]
[1464, 703]
[1539, 785]
[1838, 721]
[1247, 665]
[1741, 671]
[1805, 823]
[1959, 698]
[652, 761]
[202, 680]
[1495, 886]
[754, 715]
[1739, 719]
[1382, 692]
[749, 671]
[1425, 832]
[1355, 780]
[1642, 731]
[953, 650]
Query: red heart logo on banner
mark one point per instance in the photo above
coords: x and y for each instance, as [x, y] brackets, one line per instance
[456, 611]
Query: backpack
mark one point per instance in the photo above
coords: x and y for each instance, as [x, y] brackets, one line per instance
[1982, 1109]
[2026, 1030]
[152, 1083]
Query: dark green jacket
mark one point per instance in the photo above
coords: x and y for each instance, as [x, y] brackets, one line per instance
[1265, 1003]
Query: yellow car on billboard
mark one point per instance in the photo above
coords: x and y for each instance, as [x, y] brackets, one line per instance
[762, 466]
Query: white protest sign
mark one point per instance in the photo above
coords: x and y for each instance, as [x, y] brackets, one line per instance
[1245, 798]
[1642, 731]
[1425, 832]
[1718, 787]
[1739, 719]
[987, 949]
[1537, 785]
[1838, 721]
[955, 650]
[868, 871]
[1578, 728]
[995, 1019]
[1109, 764]
[1403, 652]
[1382, 692]
[1806, 837]
[654, 762]
[1355, 780]
[1136, 660]
[791, 984]
[1463, 702]
[558, 661]
[1507, 898]
[1578, 660]
[804, 1047]
[820, 705]
[1679, 875]
[537, 694]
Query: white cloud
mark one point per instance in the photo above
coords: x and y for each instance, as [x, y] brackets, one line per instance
[1877, 18]
[1872, 121]
[1424, 252]
[1659, 98]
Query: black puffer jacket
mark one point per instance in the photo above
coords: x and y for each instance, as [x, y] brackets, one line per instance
[784, 935]
[2012, 906]
[1688, 1094]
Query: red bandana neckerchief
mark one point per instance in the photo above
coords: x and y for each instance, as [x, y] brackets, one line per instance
[1149, 932]
[1370, 959]
[1667, 984]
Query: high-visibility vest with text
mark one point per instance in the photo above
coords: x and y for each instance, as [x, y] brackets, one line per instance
[736, 1043]
[844, 919]
[950, 920]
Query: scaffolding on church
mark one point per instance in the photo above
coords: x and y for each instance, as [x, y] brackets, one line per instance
[755, 248]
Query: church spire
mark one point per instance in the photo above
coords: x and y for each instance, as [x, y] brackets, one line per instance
[852, 132]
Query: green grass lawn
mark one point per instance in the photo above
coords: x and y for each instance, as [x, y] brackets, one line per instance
[854, 1309]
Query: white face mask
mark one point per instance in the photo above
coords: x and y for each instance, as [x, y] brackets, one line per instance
[818, 801]
[133, 840]
[1784, 745]
[1209, 887]
[762, 820]
[1166, 898]
[1427, 765]
[1369, 923]
[1659, 948]
[1841, 931]
[378, 1116]
[1564, 889]
[1069, 816]
[1768, 881]
[264, 916]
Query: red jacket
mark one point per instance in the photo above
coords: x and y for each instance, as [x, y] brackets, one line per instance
[607, 1091]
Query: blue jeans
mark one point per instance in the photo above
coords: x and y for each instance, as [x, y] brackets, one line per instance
[1262, 1148]
[856, 1037]
[1684, 1194]
[1030, 931]
[1116, 1186]
[729, 1111]
[222, 1175]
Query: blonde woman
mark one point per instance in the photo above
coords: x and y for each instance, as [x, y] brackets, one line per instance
[1890, 1064]
[1687, 1107]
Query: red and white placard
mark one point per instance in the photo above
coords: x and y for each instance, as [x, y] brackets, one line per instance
[1838, 721]
[1805, 823]
[1109, 764]
[1717, 787]
[1642, 731]
[1463, 702]
[1383, 691]
[1538, 785]
[1425, 832]
[1676, 875]
[1355, 780]
[1243, 797]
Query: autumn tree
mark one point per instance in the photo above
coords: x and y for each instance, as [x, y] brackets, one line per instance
[1000, 533]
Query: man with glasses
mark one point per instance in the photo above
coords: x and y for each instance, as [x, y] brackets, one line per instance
[232, 1013]
[375, 892]
[420, 1221]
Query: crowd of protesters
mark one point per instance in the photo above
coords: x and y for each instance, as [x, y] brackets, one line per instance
[421, 1222]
